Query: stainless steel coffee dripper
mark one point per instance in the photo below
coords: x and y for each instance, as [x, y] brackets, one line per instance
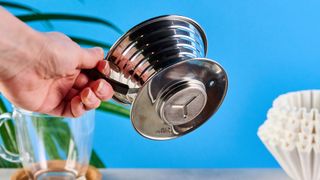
[159, 68]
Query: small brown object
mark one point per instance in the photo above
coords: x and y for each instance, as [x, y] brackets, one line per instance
[92, 174]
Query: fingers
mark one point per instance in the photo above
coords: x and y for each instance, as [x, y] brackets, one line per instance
[90, 57]
[77, 108]
[71, 94]
[89, 99]
[102, 89]
[103, 66]
[81, 81]
[98, 91]
[90, 96]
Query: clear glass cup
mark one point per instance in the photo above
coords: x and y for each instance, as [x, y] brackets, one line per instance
[51, 147]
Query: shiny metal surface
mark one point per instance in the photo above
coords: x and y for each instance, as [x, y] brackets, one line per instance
[152, 46]
[182, 102]
[153, 126]
[178, 88]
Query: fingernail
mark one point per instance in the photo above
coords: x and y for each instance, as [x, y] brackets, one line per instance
[105, 68]
[89, 97]
[101, 87]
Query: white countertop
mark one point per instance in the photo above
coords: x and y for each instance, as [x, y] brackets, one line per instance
[183, 174]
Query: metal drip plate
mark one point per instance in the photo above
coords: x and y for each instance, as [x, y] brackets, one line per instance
[182, 102]
[179, 99]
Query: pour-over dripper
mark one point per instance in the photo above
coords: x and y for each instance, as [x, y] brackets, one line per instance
[172, 87]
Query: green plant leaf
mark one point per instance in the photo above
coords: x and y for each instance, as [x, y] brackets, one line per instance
[89, 42]
[8, 138]
[51, 148]
[96, 161]
[58, 134]
[72, 17]
[3, 108]
[19, 6]
[114, 109]
[26, 8]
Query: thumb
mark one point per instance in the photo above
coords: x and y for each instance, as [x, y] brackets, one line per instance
[90, 57]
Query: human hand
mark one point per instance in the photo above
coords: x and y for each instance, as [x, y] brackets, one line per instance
[48, 79]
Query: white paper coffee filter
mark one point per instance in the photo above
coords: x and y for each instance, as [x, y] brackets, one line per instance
[291, 133]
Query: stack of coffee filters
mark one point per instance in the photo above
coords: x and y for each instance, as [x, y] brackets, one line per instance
[292, 133]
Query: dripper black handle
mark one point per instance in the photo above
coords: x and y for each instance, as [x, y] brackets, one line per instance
[118, 87]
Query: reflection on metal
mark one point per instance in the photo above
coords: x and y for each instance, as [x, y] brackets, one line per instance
[178, 88]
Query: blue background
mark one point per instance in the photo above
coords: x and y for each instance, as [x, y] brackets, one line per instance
[268, 47]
